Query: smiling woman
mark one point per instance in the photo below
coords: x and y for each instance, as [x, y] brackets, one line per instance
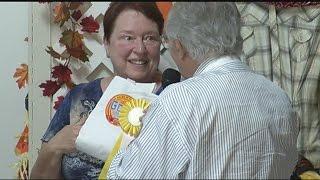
[127, 49]
[134, 45]
[132, 40]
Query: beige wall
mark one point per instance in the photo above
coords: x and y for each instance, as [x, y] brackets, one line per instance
[13, 52]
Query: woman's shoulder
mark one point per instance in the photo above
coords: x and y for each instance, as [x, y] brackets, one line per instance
[91, 87]
[105, 82]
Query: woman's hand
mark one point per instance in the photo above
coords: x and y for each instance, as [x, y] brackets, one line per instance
[64, 141]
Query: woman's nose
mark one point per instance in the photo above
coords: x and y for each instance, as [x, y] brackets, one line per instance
[139, 46]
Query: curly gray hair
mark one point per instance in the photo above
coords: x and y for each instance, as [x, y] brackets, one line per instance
[206, 27]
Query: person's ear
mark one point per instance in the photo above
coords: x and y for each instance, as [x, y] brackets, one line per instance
[106, 46]
[181, 51]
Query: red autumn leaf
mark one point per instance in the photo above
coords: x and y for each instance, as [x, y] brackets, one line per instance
[62, 73]
[62, 13]
[50, 88]
[22, 145]
[76, 15]
[74, 5]
[22, 75]
[90, 25]
[71, 38]
[78, 52]
[58, 102]
[53, 53]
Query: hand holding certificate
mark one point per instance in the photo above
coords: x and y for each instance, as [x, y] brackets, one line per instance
[117, 114]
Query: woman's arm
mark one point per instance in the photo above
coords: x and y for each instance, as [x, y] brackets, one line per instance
[48, 163]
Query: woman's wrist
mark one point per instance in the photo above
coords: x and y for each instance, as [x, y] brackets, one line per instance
[52, 150]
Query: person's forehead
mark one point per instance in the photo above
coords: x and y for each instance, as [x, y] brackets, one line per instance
[129, 17]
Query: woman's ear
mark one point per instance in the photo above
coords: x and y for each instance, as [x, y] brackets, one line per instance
[106, 47]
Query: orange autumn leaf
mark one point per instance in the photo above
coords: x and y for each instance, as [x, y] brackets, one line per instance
[164, 8]
[71, 39]
[62, 13]
[22, 145]
[58, 12]
[22, 75]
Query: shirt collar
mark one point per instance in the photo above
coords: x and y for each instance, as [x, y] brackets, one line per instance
[213, 62]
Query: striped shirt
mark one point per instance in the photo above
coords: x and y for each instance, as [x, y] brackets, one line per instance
[224, 122]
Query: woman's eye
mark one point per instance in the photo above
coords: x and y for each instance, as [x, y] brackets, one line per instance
[127, 37]
[150, 38]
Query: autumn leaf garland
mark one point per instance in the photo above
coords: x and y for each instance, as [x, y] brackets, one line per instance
[75, 48]
[21, 148]
[73, 41]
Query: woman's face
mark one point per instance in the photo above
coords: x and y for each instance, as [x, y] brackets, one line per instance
[134, 46]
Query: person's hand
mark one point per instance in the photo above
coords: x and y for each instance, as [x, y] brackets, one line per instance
[64, 140]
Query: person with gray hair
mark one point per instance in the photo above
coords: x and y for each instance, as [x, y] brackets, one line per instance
[224, 121]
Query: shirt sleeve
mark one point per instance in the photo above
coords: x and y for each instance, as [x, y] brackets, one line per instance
[60, 119]
[158, 152]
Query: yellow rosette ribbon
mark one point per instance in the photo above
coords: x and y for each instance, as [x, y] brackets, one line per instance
[310, 175]
[129, 121]
[130, 114]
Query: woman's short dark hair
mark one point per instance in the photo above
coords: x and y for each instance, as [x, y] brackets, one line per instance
[148, 9]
